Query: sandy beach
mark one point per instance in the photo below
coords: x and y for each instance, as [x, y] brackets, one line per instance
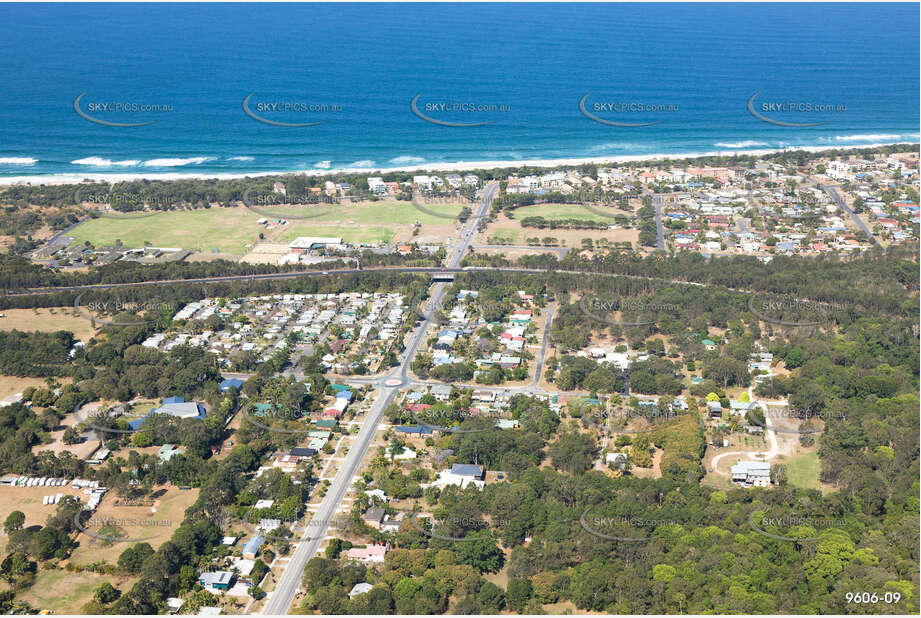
[459, 166]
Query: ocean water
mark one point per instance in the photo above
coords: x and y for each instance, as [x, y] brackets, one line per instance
[355, 69]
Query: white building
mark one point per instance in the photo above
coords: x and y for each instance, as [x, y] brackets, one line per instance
[752, 473]
[376, 185]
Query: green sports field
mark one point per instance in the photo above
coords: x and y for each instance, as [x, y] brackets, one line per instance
[234, 230]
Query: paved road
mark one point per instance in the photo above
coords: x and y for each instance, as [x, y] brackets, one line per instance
[831, 190]
[843, 206]
[288, 584]
[551, 309]
[660, 228]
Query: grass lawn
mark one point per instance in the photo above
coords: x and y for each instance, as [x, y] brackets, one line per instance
[803, 470]
[356, 234]
[505, 235]
[226, 229]
[65, 592]
[561, 211]
[384, 213]
[141, 408]
[232, 230]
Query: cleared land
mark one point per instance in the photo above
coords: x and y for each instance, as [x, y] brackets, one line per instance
[29, 501]
[510, 231]
[233, 231]
[155, 523]
[568, 211]
[64, 592]
[803, 470]
[10, 385]
[47, 321]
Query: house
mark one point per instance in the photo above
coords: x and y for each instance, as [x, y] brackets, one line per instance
[287, 463]
[168, 451]
[462, 475]
[752, 473]
[617, 459]
[219, 580]
[470, 471]
[176, 407]
[714, 409]
[267, 524]
[441, 392]
[98, 456]
[243, 566]
[741, 407]
[361, 588]
[414, 430]
[174, 604]
[252, 547]
[230, 383]
[708, 344]
[376, 493]
[180, 408]
[376, 185]
[392, 524]
[373, 517]
[486, 396]
[370, 553]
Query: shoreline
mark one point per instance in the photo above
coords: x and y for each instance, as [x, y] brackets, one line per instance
[459, 166]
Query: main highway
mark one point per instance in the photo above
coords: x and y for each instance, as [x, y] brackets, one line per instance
[280, 598]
